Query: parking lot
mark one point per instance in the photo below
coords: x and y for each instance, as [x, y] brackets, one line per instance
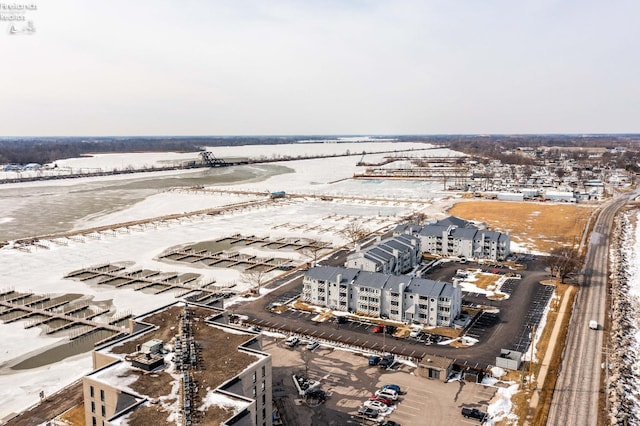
[508, 326]
[349, 381]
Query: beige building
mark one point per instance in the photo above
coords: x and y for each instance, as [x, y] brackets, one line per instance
[183, 365]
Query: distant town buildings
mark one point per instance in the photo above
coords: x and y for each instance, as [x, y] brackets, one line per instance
[183, 363]
[397, 297]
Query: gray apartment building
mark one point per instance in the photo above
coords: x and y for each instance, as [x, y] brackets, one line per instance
[457, 237]
[398, 297]
[396, 255]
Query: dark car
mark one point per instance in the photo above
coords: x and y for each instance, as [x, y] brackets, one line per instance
[368, 412]
[474, 413]
[389, 423]
[392, 387]
[317, 394]
[374, 360]
[341, 320]
[390, 329]
[386, 361]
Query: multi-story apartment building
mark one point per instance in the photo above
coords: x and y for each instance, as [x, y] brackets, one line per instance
[457, 237]
[184, 363]
[397, 297]
[396, 255]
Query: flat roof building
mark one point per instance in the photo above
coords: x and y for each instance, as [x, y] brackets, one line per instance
[183, 365]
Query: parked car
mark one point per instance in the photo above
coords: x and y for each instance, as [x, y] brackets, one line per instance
[415, 332]
[378, 328]
[385, 401]
[377, 405]
[474, 413]
[317, 394]
[390, 329]
[374, 360]
[387, 394]
[341, 320]
[312, 345]
[292, 341]
[389, 423]
[395, 388]
[593, 324]
[386, 361]
[368, 412]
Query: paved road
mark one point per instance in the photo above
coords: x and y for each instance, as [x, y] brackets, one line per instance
[576, 396]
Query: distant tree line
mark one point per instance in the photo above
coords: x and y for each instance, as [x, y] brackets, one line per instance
[46, 150]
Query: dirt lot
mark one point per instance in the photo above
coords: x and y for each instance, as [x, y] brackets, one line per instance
[349, 381]
[534, 225]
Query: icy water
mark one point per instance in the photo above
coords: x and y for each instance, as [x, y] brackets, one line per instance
[27, 211]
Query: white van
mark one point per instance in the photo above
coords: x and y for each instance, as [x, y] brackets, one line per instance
[593, 324]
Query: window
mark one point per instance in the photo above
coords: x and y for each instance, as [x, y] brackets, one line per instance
[93, 421]
[254, 377]
[101, 394]
[264, 399]
[394, 303]
[264, 412]
[394, 312]
[264, 371]
[103, 411]
[254, 392]
[263, 386]
[91, 391]
[93, 407]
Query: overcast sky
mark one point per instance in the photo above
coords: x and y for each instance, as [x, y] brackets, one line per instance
[321, 67]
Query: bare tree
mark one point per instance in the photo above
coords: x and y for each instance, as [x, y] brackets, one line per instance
[307, 357]
[417, 218]
[563, 261]
[255, 278]
[312, 251]
[354, 232]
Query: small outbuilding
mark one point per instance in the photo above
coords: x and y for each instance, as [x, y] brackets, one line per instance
[435, 367]
[509, 359]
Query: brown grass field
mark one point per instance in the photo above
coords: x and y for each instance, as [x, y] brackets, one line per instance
[542, 227]
[533, 225]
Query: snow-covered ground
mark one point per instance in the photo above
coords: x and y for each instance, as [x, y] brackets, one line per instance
[622, 372]
[41, 271]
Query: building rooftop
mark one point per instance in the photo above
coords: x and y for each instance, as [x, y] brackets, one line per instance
[330, 273]
[220, 358]
[371, 279]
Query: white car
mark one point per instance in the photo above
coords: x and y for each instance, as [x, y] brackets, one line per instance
[387, 394]
[415, 331]
[377, 405]
[292, 341]
[312, 345]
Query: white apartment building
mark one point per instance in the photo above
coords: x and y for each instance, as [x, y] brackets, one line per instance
[396, 255]
[457, 237]
[397, 297]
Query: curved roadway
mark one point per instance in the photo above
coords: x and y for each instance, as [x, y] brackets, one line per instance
[577, 392]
